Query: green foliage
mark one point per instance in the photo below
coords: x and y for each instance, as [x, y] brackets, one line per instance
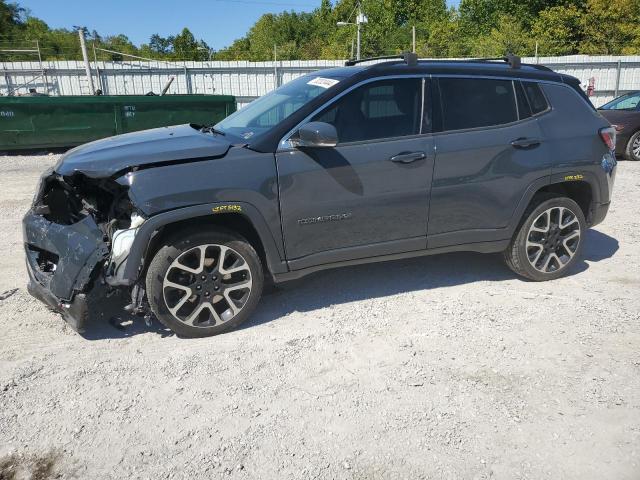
[508, 36]
[559, 30]
[475, 28]
[611, 27]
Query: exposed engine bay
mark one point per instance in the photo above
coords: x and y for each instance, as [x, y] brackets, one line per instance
[67, 200]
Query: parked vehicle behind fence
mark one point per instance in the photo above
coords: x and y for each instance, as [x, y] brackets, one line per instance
[344, 166]
[624, 113]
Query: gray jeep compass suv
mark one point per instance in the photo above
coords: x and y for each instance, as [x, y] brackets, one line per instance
[390, 160]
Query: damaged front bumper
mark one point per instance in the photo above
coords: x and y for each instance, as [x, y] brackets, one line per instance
[60, 262]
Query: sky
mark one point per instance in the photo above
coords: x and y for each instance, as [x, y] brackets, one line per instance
[217, 22]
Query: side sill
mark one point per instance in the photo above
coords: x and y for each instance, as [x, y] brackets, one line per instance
[480, 247]
[345, 254]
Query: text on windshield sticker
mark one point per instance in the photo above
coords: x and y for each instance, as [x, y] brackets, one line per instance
[322, 82]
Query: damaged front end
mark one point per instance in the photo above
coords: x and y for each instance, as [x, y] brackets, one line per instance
[77, 234]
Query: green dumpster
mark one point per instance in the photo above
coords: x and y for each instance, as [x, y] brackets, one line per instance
[48, 122]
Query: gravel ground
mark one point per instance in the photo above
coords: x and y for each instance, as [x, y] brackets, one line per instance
[445, 367]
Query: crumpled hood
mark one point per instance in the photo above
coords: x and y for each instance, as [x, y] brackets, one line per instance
[106, 157]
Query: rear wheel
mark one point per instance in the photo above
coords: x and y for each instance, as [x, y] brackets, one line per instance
[633, 147]
[204, 283]
[549, 241]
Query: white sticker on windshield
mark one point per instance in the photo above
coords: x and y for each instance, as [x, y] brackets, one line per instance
[323, 82]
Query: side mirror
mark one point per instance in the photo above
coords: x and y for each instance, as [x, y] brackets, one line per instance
[315, 134]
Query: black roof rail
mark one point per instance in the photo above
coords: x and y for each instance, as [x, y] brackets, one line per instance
[410, 59]
[514, 61]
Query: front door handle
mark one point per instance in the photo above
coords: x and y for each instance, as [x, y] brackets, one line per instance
[408, 157]
[525, 143]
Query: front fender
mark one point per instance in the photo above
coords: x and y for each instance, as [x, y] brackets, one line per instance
[137, 253]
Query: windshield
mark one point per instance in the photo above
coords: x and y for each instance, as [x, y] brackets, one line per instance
[262, 114]
[629, 101]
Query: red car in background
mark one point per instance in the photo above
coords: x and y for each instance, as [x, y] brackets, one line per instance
[624, 114]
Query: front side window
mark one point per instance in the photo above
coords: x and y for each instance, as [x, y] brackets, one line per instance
[474, 102]
[382, 109]
[630, 101]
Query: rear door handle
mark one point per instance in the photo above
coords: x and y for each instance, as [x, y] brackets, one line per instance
[525, 143]
[408, 157]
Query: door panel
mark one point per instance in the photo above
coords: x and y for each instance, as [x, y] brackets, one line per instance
[369, 195]
[355, 195]
[479, 178]
[491, 150]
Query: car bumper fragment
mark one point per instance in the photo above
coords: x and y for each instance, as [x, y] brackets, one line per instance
[60, 261]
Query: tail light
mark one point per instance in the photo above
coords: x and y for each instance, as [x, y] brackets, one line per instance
[608, 136]
[618, 128]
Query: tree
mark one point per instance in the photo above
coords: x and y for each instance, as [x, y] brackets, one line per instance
[11, 17]
[558, 30]
[611, 27]
[293, 34]
[509, 36]
[446, 38]
[481, 16]
[119, 43]
[160, 45]
[185, 45]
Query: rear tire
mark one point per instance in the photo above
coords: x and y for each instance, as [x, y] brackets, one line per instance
[204, 283]
[632, 151]
[548, 241]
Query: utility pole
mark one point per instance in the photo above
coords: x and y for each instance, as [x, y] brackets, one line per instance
[275, 66]
[537, 60]
[358, 37]
[85, 57]
[360, 19]
[413, 35]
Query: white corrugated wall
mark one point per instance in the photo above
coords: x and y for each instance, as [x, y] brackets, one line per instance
[248, 80]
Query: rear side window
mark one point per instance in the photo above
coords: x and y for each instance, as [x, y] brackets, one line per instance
[537, 100]
[471, 103]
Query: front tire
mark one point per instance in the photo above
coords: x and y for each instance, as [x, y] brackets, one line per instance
[633, 147]
[204, 283]
[549, 241]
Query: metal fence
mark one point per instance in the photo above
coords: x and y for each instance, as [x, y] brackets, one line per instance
[611, 76]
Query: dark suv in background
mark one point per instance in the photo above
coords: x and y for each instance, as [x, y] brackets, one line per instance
[344, 166]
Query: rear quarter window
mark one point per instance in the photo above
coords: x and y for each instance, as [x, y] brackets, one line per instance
[537, 100]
